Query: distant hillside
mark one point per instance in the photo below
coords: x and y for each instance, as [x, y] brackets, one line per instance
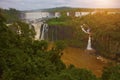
[75, 9]
[58, 9]
[50, 9]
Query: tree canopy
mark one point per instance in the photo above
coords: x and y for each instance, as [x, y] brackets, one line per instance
[22, 58]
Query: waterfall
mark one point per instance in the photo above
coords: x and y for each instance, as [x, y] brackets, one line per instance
[89, 39]
[41, 30]
[44, 30]
[84, 30]
[89, 44]
[42, 33]
[37, 27]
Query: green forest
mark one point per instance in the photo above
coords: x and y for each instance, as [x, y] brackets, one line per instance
[23, 58]
[105, 31]
[11, 15]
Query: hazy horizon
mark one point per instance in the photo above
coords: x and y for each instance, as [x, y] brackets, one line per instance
[44, 4]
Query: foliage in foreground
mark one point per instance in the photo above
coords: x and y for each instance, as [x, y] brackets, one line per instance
[111, 73]
[22, 58]
[11, 14]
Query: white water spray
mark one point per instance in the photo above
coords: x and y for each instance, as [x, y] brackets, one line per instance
[44, 30]
[37, 27]
[89, 44]
[89, 39]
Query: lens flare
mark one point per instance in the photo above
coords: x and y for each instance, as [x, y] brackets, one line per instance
[104, 3]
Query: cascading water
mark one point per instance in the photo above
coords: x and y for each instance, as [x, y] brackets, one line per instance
[41, 30]
[37, 27]
[89, 43]
[89, 39]
[44, 30]
[42, 33]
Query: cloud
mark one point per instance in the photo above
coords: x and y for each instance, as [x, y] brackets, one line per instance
[39, 4]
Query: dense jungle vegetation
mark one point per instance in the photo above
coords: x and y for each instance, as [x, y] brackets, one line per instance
[105, 30]
[22, 58]
[11, 14]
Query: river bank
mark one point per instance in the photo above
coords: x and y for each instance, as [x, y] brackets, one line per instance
[80, 59]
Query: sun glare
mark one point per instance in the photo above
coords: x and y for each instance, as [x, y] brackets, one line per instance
[104, 3]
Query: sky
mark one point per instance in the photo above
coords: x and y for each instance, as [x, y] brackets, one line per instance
[42, 4]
